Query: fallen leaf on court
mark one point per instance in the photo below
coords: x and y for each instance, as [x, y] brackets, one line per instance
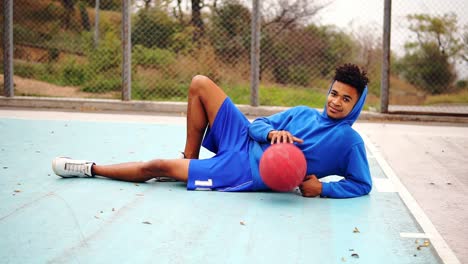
[356, 230]
[97, 217]
[425, 244]
[140, 194]
[113, 209]
[136, 184]
[355, 255]
[146, 223]
[17, 191]
[343, 259]
[242, 223]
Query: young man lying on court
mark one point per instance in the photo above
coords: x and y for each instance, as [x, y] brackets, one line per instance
[330, 145]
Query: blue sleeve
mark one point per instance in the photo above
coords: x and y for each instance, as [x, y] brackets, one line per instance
[260, 127]
[357, 180]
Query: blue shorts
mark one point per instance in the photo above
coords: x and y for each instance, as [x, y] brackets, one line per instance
[229, 169]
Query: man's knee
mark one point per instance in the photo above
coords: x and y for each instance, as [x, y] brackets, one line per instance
[199, 82]
[151, 168]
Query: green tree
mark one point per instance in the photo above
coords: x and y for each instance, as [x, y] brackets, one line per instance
[230, 34]
[301, 54]
[153, 28]
[429, 60]
[428, 68]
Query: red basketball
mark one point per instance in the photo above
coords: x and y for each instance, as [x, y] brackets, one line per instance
[283, 167]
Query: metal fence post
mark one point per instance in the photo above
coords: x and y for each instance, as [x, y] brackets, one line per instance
[8, 48]
[96, 25]
[255, 54]
[127, 52]
[385, 83]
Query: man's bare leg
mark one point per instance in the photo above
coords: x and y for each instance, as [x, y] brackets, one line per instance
[144, 171]
[204, 100]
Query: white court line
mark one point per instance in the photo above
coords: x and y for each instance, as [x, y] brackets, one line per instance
[383, 185]
[443, 250]
[414, 235]
[93, 117]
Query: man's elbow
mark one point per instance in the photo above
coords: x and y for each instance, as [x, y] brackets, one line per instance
[366, 188]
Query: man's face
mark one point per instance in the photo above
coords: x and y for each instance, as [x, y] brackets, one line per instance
[341, 100]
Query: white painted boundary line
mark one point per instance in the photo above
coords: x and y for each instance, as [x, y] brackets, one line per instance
[93, 117]
[414, 235]
[445, 253]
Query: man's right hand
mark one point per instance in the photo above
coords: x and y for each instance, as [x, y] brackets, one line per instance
[282, 136]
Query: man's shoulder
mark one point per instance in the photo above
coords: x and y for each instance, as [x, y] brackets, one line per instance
[350, 134]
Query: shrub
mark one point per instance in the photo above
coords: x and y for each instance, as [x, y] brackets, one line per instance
[102, 83]
[153, 28]
[461, 84]
[107, 56]
[73, 74]
[230, 34]
[154, 57]
[165, 89]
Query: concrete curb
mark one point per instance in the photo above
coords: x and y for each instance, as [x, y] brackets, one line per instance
[108, 105]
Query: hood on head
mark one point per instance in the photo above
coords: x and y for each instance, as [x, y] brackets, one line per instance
[354, 114]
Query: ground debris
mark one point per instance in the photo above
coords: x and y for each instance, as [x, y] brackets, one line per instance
[355, 255]
[356, 230]
[146, 222]
[242, 223]
[425, 244]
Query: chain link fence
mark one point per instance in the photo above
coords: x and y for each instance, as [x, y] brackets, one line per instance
[69, 48]
[429, 70]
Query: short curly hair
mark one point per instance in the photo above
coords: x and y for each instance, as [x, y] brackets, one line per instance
[351, 74]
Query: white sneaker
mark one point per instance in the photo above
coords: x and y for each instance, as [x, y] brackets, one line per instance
[67, 167]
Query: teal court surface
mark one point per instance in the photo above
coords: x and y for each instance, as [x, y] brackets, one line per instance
[46, 219]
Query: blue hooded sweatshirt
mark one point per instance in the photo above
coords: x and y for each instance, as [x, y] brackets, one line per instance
[331, 147]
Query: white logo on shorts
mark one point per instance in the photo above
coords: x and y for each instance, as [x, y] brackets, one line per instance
[207, 183]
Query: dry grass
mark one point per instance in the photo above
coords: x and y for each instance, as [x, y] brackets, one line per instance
[460, 97]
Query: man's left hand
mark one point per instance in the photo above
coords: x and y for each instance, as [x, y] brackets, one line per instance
[311, 186]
